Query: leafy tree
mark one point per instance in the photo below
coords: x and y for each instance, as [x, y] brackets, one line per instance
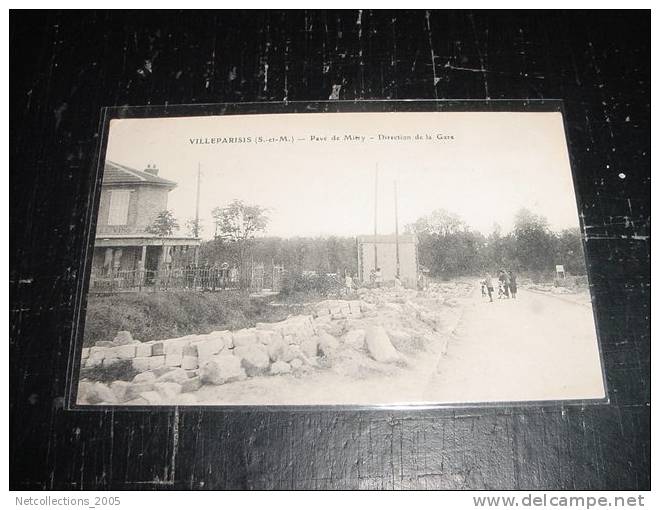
[237, 224]
[570, 251]
[163, 226]
[534, 242]
[440, 222]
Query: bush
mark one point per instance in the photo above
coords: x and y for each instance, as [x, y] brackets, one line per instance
[310, 285]
[122, 370]
[157, 316]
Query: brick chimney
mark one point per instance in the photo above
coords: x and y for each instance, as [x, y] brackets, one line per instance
[151, 169]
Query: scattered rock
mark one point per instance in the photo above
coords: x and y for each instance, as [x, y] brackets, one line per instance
[160, 371]
[296, 364]
[145, 377]
[191, 384]
[97, 392]
[309, 347]
[355, 338]
[185, 399]
[123, 338]
[327, 343]
[280, 367]
[167, 390]
[152, 397]
[177, 375]
[221, 369]
[276, 349]
[139, 401]
[136, 389]
[245, 337]
[119, 389]
[143, 350]
[254, 359]
[406, 342]
[209, 348]
[379, 345]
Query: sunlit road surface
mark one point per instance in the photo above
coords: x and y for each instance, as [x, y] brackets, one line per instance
[536, 347]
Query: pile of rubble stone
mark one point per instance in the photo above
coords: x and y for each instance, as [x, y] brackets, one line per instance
[377, 333]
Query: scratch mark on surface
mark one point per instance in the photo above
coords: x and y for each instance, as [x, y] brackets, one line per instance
[435, 76]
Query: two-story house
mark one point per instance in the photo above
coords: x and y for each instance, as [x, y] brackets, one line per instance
[130, 201]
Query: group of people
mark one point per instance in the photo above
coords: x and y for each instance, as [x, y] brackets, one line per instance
[507, 285]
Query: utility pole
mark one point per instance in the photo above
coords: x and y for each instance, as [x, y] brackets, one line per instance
[376, 220]
[199, 177]
[196, 227]
[396, 228]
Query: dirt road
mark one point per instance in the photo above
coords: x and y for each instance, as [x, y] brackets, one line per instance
[536, 347]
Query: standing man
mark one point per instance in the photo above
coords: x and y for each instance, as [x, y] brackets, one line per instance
[513, 284]
[348, 283]
[489, 286]
[379, 277]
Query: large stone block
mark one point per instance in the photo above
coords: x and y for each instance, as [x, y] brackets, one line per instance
[134, 390]
[145, 377]
[245, 337]
[189, 362]
[355, 338]
[208, 348]
[119, 389]
[327, 343]
[173, 359]
[280, 367]
[254, 359]
[143, 350]
[310, 346]
[141, 364]
[167, 390]
[221, 369]
[153, 398]
[124, 351]
[156, 361]
[177, 375]
[95, 393]
[225, 336]
[191, 384]
[157, 349]
[379, 345]
[123, 338]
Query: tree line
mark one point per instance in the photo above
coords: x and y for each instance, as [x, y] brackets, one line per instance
[447, 246]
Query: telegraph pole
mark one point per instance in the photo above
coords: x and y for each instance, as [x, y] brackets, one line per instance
[376, 220]
[396, 228]
[196, 229]
[199, 177]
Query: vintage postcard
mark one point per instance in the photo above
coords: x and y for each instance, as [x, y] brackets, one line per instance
[385, 258]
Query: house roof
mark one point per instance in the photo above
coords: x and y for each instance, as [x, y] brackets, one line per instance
[114, 173]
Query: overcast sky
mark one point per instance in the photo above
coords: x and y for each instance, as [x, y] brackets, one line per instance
[496, 164]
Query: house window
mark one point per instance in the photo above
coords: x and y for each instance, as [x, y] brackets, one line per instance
[118, 214]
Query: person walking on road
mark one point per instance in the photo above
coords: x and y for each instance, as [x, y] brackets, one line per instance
[513, 284]
[504, 282]
[489, 286]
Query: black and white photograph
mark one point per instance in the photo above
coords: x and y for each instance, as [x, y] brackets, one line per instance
[372, 258]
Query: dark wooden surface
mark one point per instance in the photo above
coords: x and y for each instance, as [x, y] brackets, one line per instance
[65, 67]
